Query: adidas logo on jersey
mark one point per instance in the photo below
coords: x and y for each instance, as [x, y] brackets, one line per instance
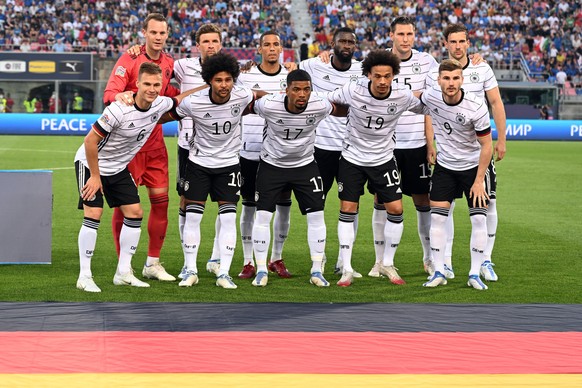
[131, 125]
[326, 78]
[257, 86]
[435, 110]
[207, 116]
[280, 121]
[364, 107]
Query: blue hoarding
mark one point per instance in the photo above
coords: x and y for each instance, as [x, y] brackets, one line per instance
[79, 124]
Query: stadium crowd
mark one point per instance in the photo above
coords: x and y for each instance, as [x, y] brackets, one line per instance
[547, 33]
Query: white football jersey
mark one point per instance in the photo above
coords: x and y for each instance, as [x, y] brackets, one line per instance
[370, 136]
[187, 73]
[289, 137]
[252, 124]
[476, 79]
[326, 78]
[456, 128]
[125, 129]
[413, 74]
[217, 140]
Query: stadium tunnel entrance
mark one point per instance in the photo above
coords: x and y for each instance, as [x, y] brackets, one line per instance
[66, 96]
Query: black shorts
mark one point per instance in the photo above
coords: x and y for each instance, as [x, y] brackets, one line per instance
[383, 180]
[248, 181]
[491, 179]
[119, 189]
[223, 184]
[181, 170]
[305, 182]
[447, 184]
[328, 162]
[414, 170]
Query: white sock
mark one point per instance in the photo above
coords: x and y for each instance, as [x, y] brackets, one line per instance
[128, 240]
[345, 232]
[152, 260]
[378, 226]
[247, 219]
[438, 237]
[450, 235]
[181, 222]
[423, 222]
[227, 237]
[194, 212]
[281, 225]
[392, 235]
[316, 235]
[216, 247]
[478, 238]
[87, 240]
[262, 238]
[491, 228]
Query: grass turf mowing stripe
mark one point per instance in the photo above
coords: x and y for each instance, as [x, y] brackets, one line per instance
[331, 353]
[255, 380]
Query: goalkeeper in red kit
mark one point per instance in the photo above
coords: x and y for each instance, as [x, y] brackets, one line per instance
[150, 166]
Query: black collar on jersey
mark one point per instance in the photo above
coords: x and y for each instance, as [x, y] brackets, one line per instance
[270, 74]
[335, 68]
[462, 96]
[286, 102]
[378, 98]
[468, 62]
[137, 107]
[409, 58]
[214, 102]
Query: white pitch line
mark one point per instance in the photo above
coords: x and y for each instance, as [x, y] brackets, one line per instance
[36, 150]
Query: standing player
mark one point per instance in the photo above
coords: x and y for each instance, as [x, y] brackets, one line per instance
[480, 80]
[270, 77]
[287, 163]
[327, 77]
[368, 155]
[411, 143]
[101, 167]
[150, 165]
[463, 133]
[213, 166]
[187, 72]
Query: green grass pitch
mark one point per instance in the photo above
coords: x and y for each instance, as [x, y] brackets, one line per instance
[537, 254]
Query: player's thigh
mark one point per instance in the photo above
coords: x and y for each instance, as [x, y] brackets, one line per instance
[248, 178]
[197, 182]
[385, 181]
[182, 160]
[308, 188]
[156, 172]
[414, 170]
[120, 189]
[328, 162]
[350, 181]
[226, 184]
[271, 182]
[444, 185]
[83, 174]
[467, 179]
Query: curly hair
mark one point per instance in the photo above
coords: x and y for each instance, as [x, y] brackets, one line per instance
[380, 58]
[217, 63]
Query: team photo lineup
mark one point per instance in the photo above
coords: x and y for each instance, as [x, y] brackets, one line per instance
[397, 122]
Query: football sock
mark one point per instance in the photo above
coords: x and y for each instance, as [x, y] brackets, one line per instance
[316, 235]
[281, 225]
[194, 212]
[491, 228]
[87, 240]
[378, 225]
[116, 225]
[261, 238]
[423, 222]
[247, 219]
[392, 235]
[216, 247]
[450, 235]
[478, 238]
[128, 240]
[157, 223]
[227, 236]
[438, 236]
[345, 232]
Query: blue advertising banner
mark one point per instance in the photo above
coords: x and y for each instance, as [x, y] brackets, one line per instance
[75, 124]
